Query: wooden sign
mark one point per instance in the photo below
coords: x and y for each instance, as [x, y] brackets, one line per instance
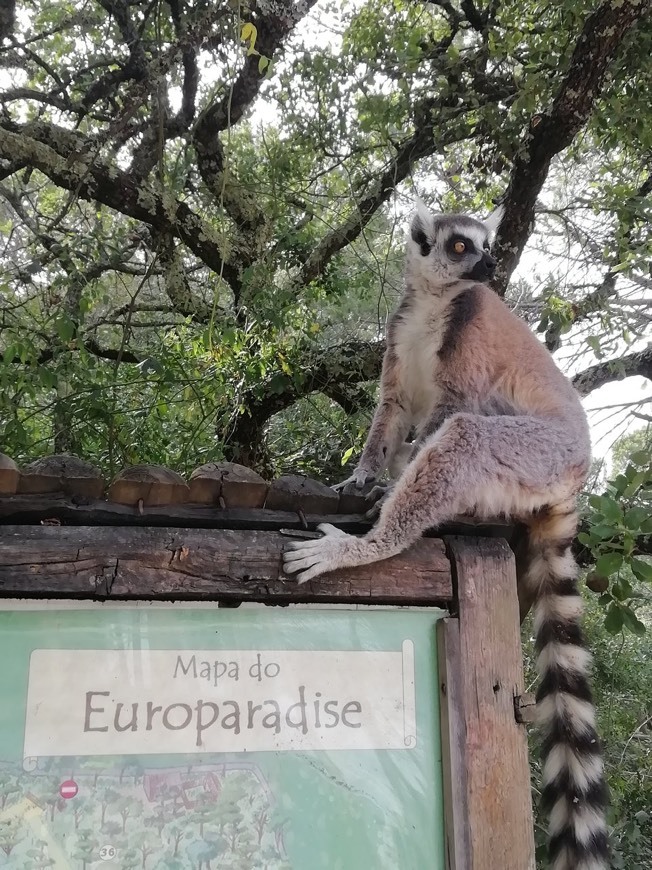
[172, 736]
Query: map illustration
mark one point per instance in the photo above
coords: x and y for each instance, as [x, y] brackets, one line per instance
[193, 738]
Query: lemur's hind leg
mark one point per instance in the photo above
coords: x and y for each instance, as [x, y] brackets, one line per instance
[492, 464]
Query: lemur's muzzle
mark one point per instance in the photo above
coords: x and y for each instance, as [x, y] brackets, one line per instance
[483, 269]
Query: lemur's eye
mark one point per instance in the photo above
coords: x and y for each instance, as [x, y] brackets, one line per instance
[459, 247]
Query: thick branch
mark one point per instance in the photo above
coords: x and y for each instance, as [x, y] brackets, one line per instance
[272, 28]
[176, 283]
[552, 132]
[91, 345]
[628, 366]
[93, 181]
[345, 366]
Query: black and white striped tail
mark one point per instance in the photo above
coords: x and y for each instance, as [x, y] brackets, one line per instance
[574, 791]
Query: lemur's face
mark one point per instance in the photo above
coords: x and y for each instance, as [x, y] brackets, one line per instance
[450, 247]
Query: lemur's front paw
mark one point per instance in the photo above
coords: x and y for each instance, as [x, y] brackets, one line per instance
[310, 558]
[358, 480]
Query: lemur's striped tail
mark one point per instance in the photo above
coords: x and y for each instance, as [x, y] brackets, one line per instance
[574, 790]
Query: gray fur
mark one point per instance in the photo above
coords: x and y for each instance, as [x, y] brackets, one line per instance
[500, 431]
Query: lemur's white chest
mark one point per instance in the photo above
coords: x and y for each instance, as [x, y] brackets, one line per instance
[419, 337]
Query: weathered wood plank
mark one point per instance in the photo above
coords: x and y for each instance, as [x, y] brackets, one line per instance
[498, 800]
[29, 509]
[202, 564]
[19, 509]
[453, 744]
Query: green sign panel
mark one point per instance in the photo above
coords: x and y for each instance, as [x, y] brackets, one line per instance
[192, 738]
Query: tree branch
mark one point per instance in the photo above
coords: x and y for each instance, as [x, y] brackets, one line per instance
[627, 366]
[607, 288]
[176, 283]
[272, 28]
[552, 132]
[86, 177]
[420, 144]
[343, 367]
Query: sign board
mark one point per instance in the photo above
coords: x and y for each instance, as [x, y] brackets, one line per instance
[191, 737]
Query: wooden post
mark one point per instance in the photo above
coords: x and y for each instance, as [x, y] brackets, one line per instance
[489, 820]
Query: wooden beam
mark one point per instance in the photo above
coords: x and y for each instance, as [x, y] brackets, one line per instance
[453, 744]
[71, 510]
[491, 823]
[21, 509]
[201, 565]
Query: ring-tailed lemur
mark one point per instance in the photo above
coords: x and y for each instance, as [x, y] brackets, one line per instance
[499, 431]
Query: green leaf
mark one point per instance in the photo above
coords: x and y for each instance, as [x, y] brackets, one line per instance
[607, 507]
[347, 455]
[622, 589]
[65, 328]
[635, 517]
[594, 343]
[643, 570]
[611, 510]
[641, 457]
[620, 483]
[613, 621]
[603, 532]
[278, 383]
[632, 622]
[635, 482]
[609, 564]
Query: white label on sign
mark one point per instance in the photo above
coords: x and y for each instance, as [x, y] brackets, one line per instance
[124, 702]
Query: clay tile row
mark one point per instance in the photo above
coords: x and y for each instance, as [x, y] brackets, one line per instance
[219, 484]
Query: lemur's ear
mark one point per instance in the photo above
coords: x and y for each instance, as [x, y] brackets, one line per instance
[422, 213]
[422, 223]
[492, 222]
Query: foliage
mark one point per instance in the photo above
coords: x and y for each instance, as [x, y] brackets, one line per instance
[619, 535]
[196, 203]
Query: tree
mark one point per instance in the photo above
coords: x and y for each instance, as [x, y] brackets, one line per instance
[126, 808]
[638, 442]
[107, 795]
[176, 831]
[201, 852]
[200, 207]
[147, 845]
[10, 835]
[86, 847]
[8, 788]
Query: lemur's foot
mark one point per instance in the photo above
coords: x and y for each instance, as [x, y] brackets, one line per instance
[358, 480]
[308, 559]
[379, 495]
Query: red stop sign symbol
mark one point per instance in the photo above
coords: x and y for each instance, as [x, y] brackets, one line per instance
[68, 789]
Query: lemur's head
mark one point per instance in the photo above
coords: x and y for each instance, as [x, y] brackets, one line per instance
[450, 247]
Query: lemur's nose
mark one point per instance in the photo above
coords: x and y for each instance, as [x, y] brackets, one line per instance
[489, 263]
